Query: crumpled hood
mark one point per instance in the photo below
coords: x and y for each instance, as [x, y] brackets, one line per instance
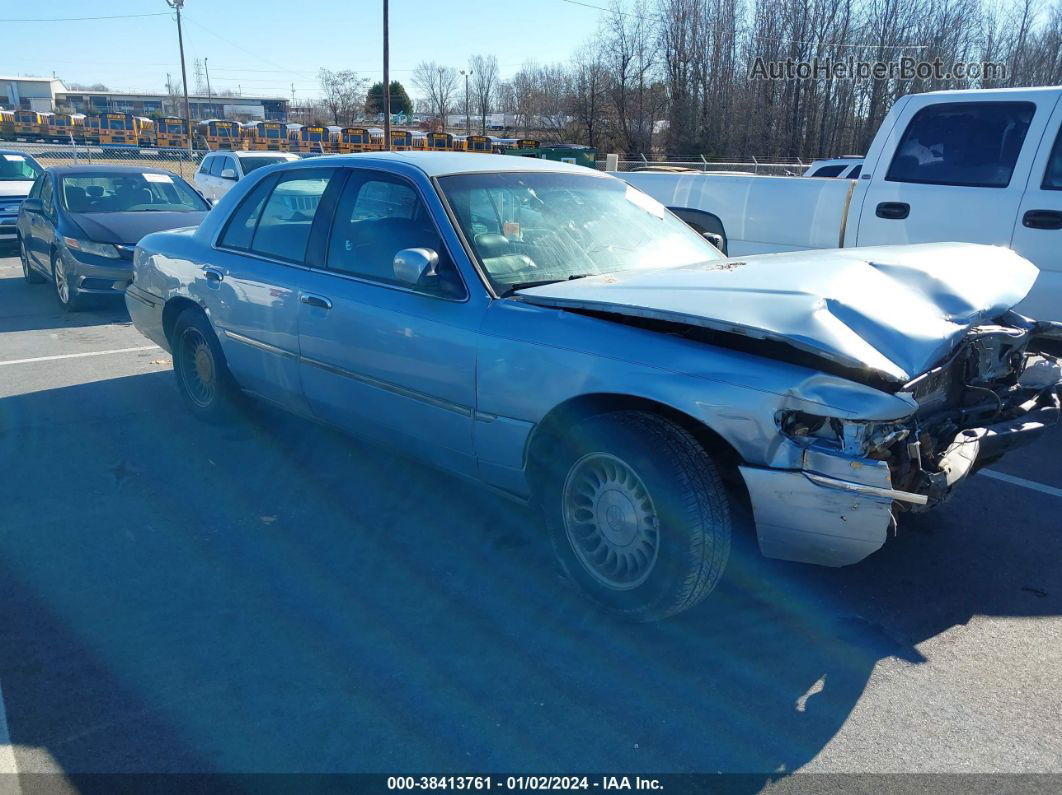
[128, 228]
[895, 310]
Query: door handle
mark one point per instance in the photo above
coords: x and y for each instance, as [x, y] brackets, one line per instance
[315, 300]
[213, 275]
[895, 211]
[1042, 219]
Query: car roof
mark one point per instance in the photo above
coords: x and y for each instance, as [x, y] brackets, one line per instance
[102, 169]
[249, 153]
[437, 164]
[17, 152]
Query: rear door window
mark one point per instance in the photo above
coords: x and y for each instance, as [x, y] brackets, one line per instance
[283, 228]
[974, 144]
[1053, 174]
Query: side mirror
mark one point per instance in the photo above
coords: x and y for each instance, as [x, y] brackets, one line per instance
[413, 264]
[715, 239]
[228, 173]
[32, 206]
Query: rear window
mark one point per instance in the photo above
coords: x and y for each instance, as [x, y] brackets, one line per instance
[829, 171]
[974, 144]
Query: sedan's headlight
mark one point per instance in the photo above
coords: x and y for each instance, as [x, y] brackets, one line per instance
[91, 247]
[852, 437]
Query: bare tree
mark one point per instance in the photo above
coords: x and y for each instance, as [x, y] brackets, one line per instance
[438, 84]
[484, 70]
[343, 94]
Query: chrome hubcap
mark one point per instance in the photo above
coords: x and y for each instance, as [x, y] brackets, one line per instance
[62, 286]
[610, 521]
[197, 367]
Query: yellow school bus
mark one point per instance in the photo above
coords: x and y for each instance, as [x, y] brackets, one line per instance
[479, 143]
[30, 125]
[145, 130]
[64, 126]
[309, 138]
[265, 136]
[219, 134]
[401, 140]
[7, 125]
[119, 130]
[439, 141]
[525, 143]
[356, 139]
[171, 132]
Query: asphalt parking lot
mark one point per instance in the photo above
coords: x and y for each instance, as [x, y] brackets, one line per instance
[275, 597]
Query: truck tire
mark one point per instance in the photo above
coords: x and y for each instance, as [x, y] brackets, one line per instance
[637, 514]
[203, 377]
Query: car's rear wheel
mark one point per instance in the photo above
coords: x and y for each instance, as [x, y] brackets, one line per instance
[637, 514]
[28, 273]
[69, 296]
[203, 377]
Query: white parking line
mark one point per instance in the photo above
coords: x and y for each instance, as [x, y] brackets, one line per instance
[7, 751]
[1028, 484]
[78, 355]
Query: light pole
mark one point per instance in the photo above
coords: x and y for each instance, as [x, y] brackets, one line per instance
[468, 119]
[177, 5]
[210, 99]
[387, 82]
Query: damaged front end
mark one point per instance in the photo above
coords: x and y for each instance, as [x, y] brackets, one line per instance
[999, 389]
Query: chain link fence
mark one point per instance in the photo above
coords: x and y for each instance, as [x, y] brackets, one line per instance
[181, 162]
[776, 167]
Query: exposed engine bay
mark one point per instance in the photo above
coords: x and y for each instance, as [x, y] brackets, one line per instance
[999, 389]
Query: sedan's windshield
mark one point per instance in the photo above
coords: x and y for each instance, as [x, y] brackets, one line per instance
[251, 163]
[129, 192]
[529, 228]
[18, 168]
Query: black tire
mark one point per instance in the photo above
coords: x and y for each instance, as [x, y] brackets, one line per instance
[73, 300]
[665, 492]
[203, 377]
[28, 273]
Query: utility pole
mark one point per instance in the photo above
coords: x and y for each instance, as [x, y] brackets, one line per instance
[468, 120]
[210, 99]
[176, 5]
[387, 81]
[291, 113]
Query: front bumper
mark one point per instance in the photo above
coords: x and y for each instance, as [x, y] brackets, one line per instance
[837, 509]
[98, 275]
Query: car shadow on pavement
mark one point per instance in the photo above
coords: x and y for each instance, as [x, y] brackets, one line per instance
[34, 306]
[273, 596]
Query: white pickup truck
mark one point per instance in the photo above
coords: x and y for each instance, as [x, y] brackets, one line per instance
[946, 166]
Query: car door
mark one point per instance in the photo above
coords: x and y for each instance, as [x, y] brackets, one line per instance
[252, 286]
[957, 171]
[379, 358]
[1038, 225]
[228, 166]
[202, 177]
[42, 225]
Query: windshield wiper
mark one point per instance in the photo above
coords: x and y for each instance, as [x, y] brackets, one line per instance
[512, 288]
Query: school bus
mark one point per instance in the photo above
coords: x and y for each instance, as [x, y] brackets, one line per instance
[7, 124]
[145, 130]
[92, 129]
[355, 139]
[219, 134]
[401, 140]
[64, 126]
[171, 132]
[30, 125]
[525, 143]
[439, 141]
[119, 129]
[265, 136]
[479, 143]
[309, 138]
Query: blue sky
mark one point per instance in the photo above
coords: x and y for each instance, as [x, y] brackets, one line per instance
[280, 41]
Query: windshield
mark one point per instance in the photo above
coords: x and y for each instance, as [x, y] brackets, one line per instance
[530, 228]
[251, 163]
[17, 168]
[129, 193]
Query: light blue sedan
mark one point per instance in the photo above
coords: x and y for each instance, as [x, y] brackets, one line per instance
[559, 337]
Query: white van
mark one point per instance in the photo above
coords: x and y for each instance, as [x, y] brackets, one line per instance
[219, 171]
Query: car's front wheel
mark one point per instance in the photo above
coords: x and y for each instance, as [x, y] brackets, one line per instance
[203, 377]
[637, 514]
[66, 291]
[28, 273]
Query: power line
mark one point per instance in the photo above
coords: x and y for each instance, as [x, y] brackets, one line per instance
[87, 19]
